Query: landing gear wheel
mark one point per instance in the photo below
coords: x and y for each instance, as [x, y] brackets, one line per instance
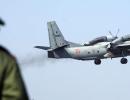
[97, 61]
[124, 61]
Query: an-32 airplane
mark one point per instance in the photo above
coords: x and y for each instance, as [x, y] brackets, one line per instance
[97, 49]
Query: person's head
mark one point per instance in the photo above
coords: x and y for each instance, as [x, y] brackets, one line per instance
[2, 23]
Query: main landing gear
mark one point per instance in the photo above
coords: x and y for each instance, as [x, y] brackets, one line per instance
[97, 61]
[123, 60]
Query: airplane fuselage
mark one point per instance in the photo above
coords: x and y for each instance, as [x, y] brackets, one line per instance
[88, 52]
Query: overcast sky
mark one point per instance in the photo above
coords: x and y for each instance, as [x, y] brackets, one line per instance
[79, 21]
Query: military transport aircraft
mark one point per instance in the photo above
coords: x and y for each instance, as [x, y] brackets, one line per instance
[97, 49]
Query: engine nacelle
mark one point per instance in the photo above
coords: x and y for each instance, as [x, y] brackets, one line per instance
[100, 39]
[122, 39]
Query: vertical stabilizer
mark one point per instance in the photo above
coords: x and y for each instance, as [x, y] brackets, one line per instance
[56, 38]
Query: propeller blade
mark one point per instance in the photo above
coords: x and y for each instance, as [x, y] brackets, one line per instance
[117, 32]
[111, 33]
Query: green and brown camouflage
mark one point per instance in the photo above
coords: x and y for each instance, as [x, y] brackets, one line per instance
[11, 83]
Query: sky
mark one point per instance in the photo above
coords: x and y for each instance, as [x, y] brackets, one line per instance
[80, 21]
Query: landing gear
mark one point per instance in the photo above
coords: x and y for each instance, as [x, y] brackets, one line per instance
[97, 61]
[124, 60]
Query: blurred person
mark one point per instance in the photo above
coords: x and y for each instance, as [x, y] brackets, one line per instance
[2, 23]
[11, 83]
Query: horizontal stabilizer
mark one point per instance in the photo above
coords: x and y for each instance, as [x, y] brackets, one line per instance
[42, 47]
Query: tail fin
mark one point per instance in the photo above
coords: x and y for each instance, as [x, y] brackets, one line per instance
[56, 38]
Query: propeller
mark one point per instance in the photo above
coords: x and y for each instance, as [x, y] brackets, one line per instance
[114, 36]
[111, 45]
[117, 32]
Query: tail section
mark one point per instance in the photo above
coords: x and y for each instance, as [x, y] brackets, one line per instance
[56, 38]
[57, 41]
